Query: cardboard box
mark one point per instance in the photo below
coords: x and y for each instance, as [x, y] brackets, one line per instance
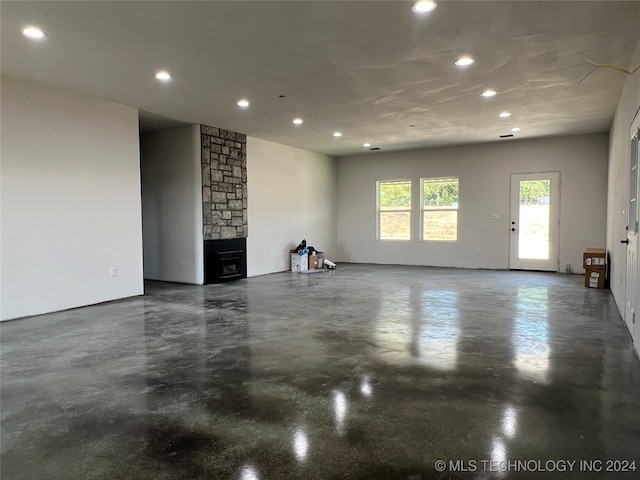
[594, 258]
[594, 278]
[299, 263]
[313, 262]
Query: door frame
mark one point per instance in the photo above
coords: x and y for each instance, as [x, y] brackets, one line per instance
[630, 310]
[554, 226]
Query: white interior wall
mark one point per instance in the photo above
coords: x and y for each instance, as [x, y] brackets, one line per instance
[291, 196]
[484, 172]
[172, 205]
[70, 191]
[618, 191]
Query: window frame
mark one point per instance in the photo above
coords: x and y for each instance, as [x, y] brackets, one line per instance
[379, 210]
[424, 209]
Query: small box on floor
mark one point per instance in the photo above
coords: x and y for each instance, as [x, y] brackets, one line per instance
[594, 258]
[313, 262]
[299, 263]
[594, 278]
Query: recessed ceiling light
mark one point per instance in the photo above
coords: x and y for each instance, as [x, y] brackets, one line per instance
[244, 103]
[298, 121]
[163, 75]
[515, 129]
[366, 145]
[34, 32]
[505, 114]
[464, 61]
[424, 6]
[489, 93]
[337, 134]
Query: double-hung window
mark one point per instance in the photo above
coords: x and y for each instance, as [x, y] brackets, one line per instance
[394, 210]
[440, 209]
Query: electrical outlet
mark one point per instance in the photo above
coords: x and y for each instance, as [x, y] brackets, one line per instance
[113, 272]
[477, 249]
[265, 254]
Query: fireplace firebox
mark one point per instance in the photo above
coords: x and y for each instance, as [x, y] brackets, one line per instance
[225, 260]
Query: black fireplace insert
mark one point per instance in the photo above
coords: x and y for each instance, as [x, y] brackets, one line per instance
[225, 260]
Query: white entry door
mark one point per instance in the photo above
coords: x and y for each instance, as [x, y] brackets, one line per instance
[535, 199]
[632, 236]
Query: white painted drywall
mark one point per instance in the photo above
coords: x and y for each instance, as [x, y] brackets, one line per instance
[484, 172]
[70, 191]
[618, 192]
[291, 196]
[172, 205]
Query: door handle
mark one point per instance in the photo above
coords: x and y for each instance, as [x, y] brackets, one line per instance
[626, 242]
[513, 229]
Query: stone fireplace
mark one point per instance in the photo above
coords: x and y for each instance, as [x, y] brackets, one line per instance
[224, 203]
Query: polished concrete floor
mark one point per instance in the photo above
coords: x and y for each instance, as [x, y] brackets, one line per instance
[365, 372]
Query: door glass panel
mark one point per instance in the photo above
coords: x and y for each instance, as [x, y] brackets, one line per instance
[533, 239]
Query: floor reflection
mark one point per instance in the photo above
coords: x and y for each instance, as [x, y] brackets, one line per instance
[498, 456]
[300, 445]
[509, 422]
[199, 357]
[392, 326]
[340, 406]
[437, 338]
[531, 333]
[249, 472]
[419, 326]
[366, 388]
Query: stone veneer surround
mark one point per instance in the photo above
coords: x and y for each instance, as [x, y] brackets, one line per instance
[224, 183]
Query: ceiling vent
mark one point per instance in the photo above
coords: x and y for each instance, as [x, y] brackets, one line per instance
[373, 149]
[506, 136]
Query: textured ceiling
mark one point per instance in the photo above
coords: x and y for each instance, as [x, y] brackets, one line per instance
[374, 70]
